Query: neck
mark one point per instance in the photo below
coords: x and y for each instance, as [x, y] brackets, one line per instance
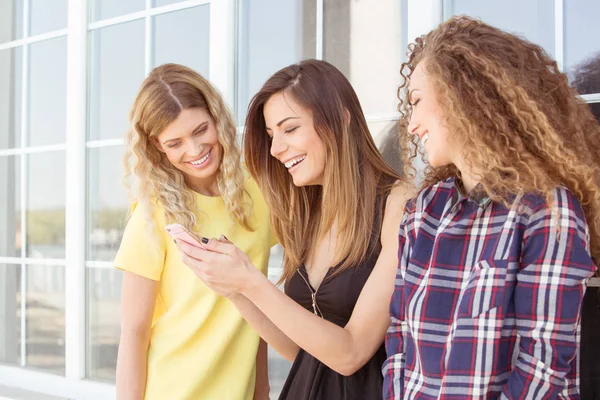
[468, 176]
[205, 187]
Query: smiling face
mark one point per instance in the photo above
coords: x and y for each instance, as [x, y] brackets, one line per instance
[294, 140]
[191, 144]
[426, 119]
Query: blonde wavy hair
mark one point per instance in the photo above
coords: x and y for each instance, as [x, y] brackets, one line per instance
[149, 176]
[511, 111]
[355, 173]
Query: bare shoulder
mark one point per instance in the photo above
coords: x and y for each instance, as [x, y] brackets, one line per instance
[401, 192]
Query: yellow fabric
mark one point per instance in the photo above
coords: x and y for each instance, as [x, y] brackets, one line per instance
[201, 347]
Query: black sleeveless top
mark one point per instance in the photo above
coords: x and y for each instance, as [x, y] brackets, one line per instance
[310, 379]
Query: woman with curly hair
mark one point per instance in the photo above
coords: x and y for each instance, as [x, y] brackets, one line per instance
[180, 340]
[497, 248]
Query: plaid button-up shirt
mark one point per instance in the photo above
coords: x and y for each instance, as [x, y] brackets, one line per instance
[487, 298]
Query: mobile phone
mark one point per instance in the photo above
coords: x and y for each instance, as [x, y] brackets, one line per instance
[177, 231]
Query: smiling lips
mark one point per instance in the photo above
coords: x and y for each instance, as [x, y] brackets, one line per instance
[289, 164]
[201, 161]
[424, 138]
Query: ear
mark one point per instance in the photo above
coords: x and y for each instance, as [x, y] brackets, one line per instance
[157, 144]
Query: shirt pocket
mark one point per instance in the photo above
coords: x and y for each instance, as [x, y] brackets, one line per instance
[484, 290]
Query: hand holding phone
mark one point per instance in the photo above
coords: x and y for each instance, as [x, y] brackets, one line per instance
[177, 231]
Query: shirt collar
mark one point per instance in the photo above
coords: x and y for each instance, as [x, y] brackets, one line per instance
[477, 195]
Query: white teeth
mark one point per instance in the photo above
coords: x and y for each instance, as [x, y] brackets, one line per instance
[200, 161]
[293, 162]
[425, 138]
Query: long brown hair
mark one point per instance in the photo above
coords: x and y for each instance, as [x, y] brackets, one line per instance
[354, 168]
[512, 112]
[150, 176]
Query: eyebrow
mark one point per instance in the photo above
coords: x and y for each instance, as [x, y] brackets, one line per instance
[282, 121]
[196, 129]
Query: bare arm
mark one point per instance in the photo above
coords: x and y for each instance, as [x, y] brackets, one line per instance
[261, 388]
[138, 295]
[345, 349]
[265, 328]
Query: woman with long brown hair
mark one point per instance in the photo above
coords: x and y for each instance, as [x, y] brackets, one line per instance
[496, 250]
[183, 165]
[335, 207]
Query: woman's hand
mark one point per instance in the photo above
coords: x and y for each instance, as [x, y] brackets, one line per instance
[223, 267]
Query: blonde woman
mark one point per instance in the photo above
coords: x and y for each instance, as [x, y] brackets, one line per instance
[180, 340]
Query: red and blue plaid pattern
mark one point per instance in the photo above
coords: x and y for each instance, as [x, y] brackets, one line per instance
[487, 298]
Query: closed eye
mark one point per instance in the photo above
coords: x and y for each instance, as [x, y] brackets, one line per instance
[291, 130]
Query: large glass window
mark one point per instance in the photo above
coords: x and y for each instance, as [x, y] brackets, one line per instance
[11, 20]
[47, 15]
[104, 9]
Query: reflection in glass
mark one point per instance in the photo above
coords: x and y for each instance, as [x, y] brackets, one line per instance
[582, 49]
[10, 314]
[104, 295]
[10, 206]
[47, 15]
[273, 35]
[108, 205]
[47, 88]
[46, 205]
[11, 67]
[182, 37]
[11, 20]
[103, 9]
[117, 70]
[45, 318]
[533, 19]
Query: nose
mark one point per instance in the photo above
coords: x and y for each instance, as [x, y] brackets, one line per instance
[193, 148]
[413, 127]
[278, 145]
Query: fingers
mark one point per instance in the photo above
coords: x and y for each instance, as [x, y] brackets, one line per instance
[223, 239]
[218, 246]
[192, 251]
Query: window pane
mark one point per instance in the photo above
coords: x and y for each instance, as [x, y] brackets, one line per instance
[104, 295]
[11, 67]
[47, 88]
[273, 35]
[182, 37]
[45, 318]
[46, 205]
[108, 204]
[10, 314]
[11, 20]
[103, 9]
[10, 206]
[364, 41]
[582, 49]
[158, 3]
[48, 15]
[533, 19]
[114, 81]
